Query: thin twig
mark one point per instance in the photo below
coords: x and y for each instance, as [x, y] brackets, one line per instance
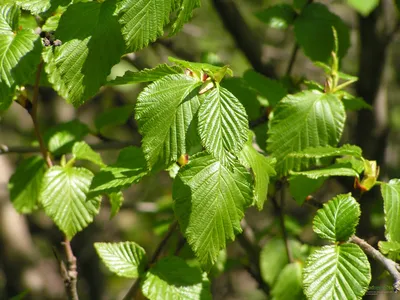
[292, 59]
[70, 275]
[391, 266]
[135, 287]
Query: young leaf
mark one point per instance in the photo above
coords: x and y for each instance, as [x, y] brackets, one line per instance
[313, 30]
[301, 186]
[332, 170]
[164, 111]
[24, 184]
[146, 75]
[143, 21]
[307, 119]
[116, 200]
[19, 53]
[81, 150]
[328, 151]
[172, 278]
[61, 138]
[130, 167]
[91, 45]
[223, 125]
[338, 218]
[337, 272]
[364, 7]
[289, 284]
[391, 203]
[209, 203]
[126, 259]
[184, 14]
[64, 198]
[278, 16]
[262, 168]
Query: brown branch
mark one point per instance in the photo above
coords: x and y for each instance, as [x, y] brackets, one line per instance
[70, 277]
[132, 293]
[392, 267]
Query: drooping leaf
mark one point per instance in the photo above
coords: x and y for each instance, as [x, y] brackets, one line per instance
[116, 200]
[184, 14]
[172, 278]
[289, 284]
[164, 111]
[353, 103]
[19, 53]
[209, 202]
[64, 198]
[307, 119]
[146, 75]
[126, 259]
[330, 171]
[199, 68]
[301, 186]
[328, 151]
[24, 184]
[391, 203]
[337, 272]
[130, 167]
[364, 7]
[91, 44]
[278, 16]
[61, 138]
[338, 218]
[143, 21]
[314, 27]
[262, 168]
[81, 150]
[223, 125]
[357, 164]
[114, 117]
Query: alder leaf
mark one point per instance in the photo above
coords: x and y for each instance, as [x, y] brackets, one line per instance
[81, 150]
[391, 203]
[185, 12]
[209, 202]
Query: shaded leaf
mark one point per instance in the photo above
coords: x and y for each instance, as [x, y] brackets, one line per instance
[116, 200]
[185, 12]
[114, 117]
[301, 186]
[289, 284]
[278, 16]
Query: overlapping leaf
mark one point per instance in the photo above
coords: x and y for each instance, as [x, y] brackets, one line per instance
[165, 110]
[126, 259]
[337, 272]
[278, 16]
[307, 119]
[92, 44]
[289, 284]
[81, 150]
[185, 12]
[64, 198]
[223, 125]
[209, 203]
[328, 151]
[338, 169]
[391, 197]
[39, 6]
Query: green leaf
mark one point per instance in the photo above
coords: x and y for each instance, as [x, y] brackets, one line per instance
[146, 75]
[172, 278]
[19, 54]
[91, 45]
[337, 272]
[364, 7]
[391, 249]
[289, 284]
[81, 150]
[271, 89]
[357, 164]
[223, 124]
[299, 4]
[301, 186]
[209, 203]
[278, 16]
[116, 200]
[39, 6]
[199, 68]
[314, 27]
[262, 168]
[338, 218]
[61, 138]
[184, 14]
[319, 120]
[114, 117]
[24, 184]
[353, 103]
[126, 259]
[391, 204]
[143, 21]
[332, 170]
[164, 111]
[64, 198]
[130, 168]
[328, 151]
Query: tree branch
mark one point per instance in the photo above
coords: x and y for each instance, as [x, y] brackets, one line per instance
[392, 267]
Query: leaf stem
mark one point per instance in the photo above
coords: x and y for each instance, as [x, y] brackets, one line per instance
[71, 274]
[160, 247]
[392, 267]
